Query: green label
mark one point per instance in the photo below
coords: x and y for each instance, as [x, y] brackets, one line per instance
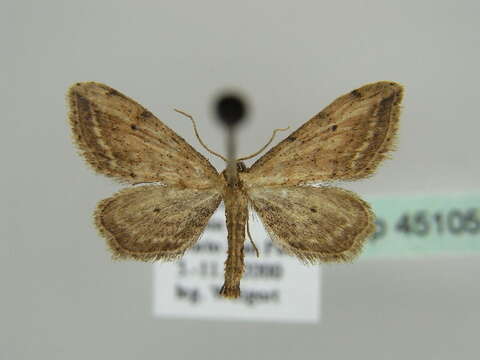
[409, 226]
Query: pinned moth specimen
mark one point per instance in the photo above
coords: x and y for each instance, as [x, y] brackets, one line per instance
[177, 189]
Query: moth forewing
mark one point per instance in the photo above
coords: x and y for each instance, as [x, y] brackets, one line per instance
[345, 141]
[120, 138]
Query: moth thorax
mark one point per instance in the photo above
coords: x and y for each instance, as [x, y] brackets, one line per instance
[231, 177]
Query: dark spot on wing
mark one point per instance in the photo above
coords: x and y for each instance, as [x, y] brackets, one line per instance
[334, 127]
[384, 107]
[133, 127]
[146, 114]
[83, 108]
[113, 92]
[291, 138]
[356, 94]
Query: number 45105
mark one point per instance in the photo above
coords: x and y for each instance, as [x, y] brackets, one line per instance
[452, 221]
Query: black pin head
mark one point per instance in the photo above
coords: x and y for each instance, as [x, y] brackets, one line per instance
[230, 109]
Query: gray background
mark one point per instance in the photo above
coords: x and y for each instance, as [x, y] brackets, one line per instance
[62, 297]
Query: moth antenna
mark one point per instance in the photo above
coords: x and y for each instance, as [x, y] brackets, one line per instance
[198, 136]
[266, 145]
[251, 240]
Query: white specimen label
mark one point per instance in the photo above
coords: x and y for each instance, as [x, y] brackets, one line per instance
[275, 286]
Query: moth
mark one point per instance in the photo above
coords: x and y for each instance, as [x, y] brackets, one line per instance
[177, 189]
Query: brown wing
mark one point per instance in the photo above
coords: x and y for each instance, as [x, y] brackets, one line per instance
[120, 138]
[154, 222]
[316, 224]
[346, 141]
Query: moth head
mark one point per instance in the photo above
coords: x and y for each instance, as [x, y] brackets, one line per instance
[241, 167]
